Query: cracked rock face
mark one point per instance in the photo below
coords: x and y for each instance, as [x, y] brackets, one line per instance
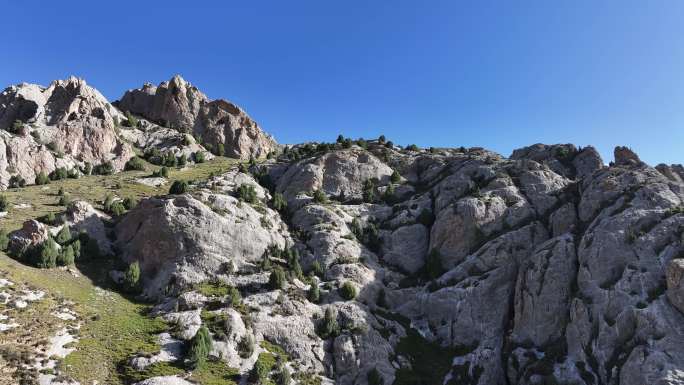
[545, 267]
[65, 124]
[179, 105]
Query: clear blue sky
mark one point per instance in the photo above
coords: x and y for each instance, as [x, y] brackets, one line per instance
[497, 74]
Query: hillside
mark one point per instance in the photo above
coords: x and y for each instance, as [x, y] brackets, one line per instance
[353, 262]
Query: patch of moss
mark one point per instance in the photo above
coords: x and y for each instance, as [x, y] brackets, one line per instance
[215, 372]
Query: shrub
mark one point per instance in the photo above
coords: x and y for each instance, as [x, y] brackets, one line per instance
[64, 235]
[278, 202]
[347, 143]
[182, 160]
[4, 240]
[162, 172]
[106, 168]
[179, 187]
[247, 193]
[433, 264]
[107, 204]
[242, 167]
[89, 246]
[131, 121]
[389, 144]
[42, 178]
[220, 149]
[47, 258]
[340, 139]
[4, 203]
[328, 326]
[132, 277]
[16, 181]
[17, 127]
[362, 143]
[314, 293]
[76, 246]
[246, 346]
[66, 257]
[382, 139]
[87, 168]
[130, 203]
[412, 147]
[117, 208]
[369, 191]
[200, 346]
[348, 291]
[59, 174]
[388, 196]
[73, 173]
[277, 278]
[317, 269]
[64, 200]
[135, 163]
[259, 372]
[374, 377]
[199, 157]
[170, 160]
[48, 219]
[234, 297]
[319, 196]
[395, 178]
[283, 376]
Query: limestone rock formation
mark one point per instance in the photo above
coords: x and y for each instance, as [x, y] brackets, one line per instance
[65, 124]
[179, 105]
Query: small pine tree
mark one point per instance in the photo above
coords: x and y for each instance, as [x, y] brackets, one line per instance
[382, 139]
[220, 149]
[132, 277]
[234, 297]
[42, 178]
[328, 326]
[277, 278]
[369, 191]
[283, 376]
[259, 372]
[66, 256]
[340, 139]
[314, 293]
[64, 200]
[135, 163]
[246, 346]
[179, 187]
[200, 346]
[47, 258]
[117, 208]
[396, 177]
[317, 269]
[348, 291]
[87, 169]
[76, 246]
[182, 160]
[319, 196]
[64, 235]
[199, 157]
[130, 203]
[4, 203]
[247, 193]
[278, 202]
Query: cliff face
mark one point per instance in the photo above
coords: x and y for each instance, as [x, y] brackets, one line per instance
[178, 104]
[63, 125]
[469, 267]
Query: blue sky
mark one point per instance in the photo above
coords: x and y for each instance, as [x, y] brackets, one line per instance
[497, 74]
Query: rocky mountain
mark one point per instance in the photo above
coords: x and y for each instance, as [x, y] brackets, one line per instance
[179, 105]
[453, 266]
[70, 124]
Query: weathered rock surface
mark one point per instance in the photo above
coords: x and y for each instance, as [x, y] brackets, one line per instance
[548, 267]
[65, 124]
[179, 105]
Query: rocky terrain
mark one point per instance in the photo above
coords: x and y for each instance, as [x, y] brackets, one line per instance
[362, 262]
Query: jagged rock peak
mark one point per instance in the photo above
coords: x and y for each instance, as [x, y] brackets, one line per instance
[219, 123]
[624, 156]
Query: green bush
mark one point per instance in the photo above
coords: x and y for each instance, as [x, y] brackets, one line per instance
[130, 203]
[369, 191]
[247, 193]
[73, 174]
[4, 203]
[106, 168]
[4, 240]
[319, 196]
[47, 257]
[314, 293]
[412, 147]
[340, 139]
[64, 200]
[220, 149]
[246, 346]
[87, 168]
[76, 246]
[16, 181]
[117, 208]
[277, 278]
[278, 202]
[395, 177]
[362, 143]
[64, 235]
[179, 187]
[283, 376]
[182, 160]
[42, 178]
[348, 291]
[107, 204]
[382, 139]
[162, 172]
[199, 157]
[132, 277]
[374, 377]
[317, 269]
[234, 297]
[259, 372]
[135, 163]
[200, 346]
[66, 257]
[328, 327]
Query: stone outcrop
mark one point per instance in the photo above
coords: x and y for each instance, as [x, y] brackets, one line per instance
[65, 124]
[179, 105]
